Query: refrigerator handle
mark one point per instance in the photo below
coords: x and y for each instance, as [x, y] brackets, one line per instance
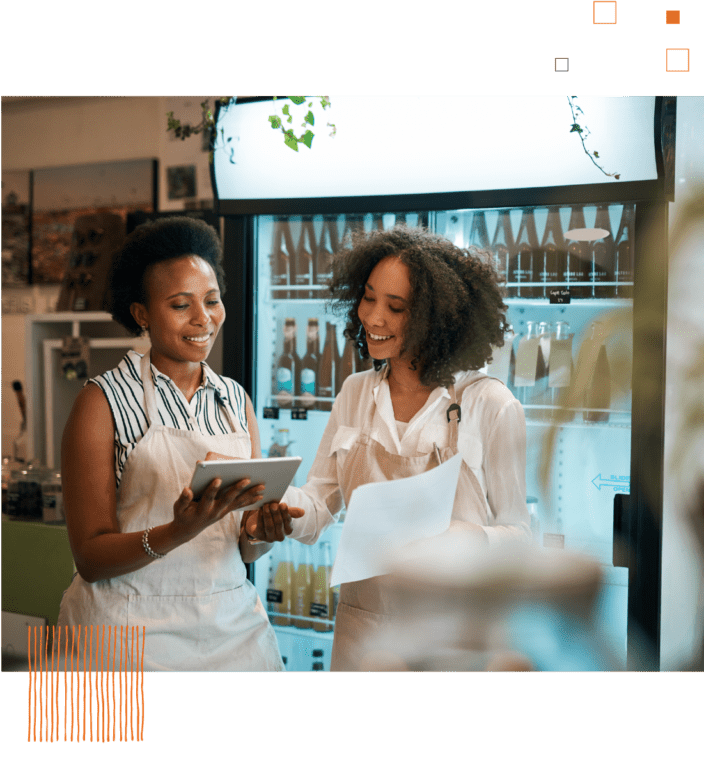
[621, 530]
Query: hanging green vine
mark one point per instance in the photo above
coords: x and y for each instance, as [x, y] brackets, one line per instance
[184, 130]
[583, 133]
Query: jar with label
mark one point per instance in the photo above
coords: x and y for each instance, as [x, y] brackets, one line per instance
[52, 499]
[25, 492]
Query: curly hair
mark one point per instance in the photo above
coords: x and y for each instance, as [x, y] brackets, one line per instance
[152, 243]
[456, 312]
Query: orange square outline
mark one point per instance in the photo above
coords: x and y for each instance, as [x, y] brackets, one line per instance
[676, 49]
[672, 17]
[594, 21]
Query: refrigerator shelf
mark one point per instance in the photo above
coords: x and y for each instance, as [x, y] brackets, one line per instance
[294, 617]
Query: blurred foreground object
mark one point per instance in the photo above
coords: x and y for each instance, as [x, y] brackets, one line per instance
[465, 607]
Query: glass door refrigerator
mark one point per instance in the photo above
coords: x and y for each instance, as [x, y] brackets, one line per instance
[571, 246]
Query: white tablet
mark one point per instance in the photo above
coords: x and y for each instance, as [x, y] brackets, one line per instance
[275, 474]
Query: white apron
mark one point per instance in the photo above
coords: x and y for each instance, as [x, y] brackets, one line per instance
[365, 607]
[199, 609]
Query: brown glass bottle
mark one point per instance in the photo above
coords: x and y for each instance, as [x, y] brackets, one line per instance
[327, 247]
[478, 235]
[308, 381]
[603, 256]
[503, 245]
[598, 394]
[327, 371]
[282, 259]
[624, 253]
[287, 381]
[348, 363]
[523, 267]
[553, 255]
[305, 259]
[577, 267]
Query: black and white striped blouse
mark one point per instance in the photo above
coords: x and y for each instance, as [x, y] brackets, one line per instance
[124, 391]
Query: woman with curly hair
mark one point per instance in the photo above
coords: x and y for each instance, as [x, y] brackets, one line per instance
[427, 313]
[147, 554]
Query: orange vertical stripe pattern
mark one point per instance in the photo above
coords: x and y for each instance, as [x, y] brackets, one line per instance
[47, 708]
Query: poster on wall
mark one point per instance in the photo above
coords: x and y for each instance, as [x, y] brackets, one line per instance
[63, 195]
[15, 228]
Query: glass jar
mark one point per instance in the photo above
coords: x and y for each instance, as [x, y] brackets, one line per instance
[52, 499]
[25, 492]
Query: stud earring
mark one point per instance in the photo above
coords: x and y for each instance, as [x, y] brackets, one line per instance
[144, 328]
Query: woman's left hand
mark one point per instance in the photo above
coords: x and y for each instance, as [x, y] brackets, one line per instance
[271, 522]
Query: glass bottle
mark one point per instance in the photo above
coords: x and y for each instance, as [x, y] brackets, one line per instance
[303, 589]
[348, 363]
[522, 268]
[577, 267]
[327, 372]
[524, 394]
[308, 390]
[282, 259]
[603, 256]
[598, 394]
[306, 259]
[327, 248]
[503, 245]
[322, 595]
[553, 254]
[540, 391]
[561, 380]
[288, 367]
[280, 591]
[478, 234]
[624, 253]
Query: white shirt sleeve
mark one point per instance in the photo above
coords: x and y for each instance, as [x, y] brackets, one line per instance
[505, 472]
[320, 498]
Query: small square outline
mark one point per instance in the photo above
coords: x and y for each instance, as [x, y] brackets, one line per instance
[604, 11]
[566, 65]
[667, 51]
[672, 17]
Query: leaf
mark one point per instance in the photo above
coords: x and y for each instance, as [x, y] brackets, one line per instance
[595, 153]
[275, 121]
[617, 176]
[310, 103]
[291, 141]
[575, 127]
[297, 99]
[285, 109]
[307, 138]
[310, 118]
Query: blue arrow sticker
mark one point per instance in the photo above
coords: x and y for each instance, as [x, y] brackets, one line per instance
[615, 483]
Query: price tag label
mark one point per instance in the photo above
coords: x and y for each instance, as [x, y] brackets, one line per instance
[271, 412]
[319, 610]
[559, 295]
[299, 413]
[274, 596]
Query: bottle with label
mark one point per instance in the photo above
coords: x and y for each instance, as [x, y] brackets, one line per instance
[603, 256]
[303, 588]
[282, 259]
[503, 245]
[280, 444]
[400, 218]
[598, 394]
[288, 367]
[523, 268]
[348, 363]
[308, 386]
[354, 222]
[560, 367]
[52, 499]
[279, 595]
[542, 372]
[327, 248]
[306, 259]
[578, 264]
[553, 256]
[478, 235]
[322, 596]
[527, 364]
[624, 253]
[327, 371]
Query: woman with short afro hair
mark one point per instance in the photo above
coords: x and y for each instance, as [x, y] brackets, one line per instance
[428, 314]
[147, 553]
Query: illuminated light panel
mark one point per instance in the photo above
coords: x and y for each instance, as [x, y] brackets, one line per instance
[672, 17]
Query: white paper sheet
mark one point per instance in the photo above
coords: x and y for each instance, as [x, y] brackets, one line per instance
[382, 517]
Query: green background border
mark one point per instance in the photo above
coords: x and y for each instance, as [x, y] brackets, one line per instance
[498, 47]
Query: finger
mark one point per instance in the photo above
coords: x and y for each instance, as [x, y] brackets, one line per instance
[211, 492]
[288, 527]
[268, 525]
[296, 512]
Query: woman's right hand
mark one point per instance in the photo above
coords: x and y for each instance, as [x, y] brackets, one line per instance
[191, 517]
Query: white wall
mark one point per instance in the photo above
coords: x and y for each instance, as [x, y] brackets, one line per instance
[53, 132]
[682, 571]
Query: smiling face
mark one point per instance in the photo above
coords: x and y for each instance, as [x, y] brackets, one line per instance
[384, 308]
[184, 312]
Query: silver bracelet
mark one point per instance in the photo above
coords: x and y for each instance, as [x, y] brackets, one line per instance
[145, 544]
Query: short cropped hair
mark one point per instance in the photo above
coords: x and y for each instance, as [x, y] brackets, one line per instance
[456, 311]
[151, 243]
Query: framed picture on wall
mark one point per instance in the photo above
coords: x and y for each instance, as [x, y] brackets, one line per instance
[181, 181]
[60, 196]
[16, 234]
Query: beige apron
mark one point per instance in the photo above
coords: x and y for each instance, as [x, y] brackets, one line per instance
[199, 609]
[365, 606]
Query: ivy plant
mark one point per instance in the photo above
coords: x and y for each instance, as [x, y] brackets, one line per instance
[583, 133]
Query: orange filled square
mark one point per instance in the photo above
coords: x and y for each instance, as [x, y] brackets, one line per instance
[672, 17]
